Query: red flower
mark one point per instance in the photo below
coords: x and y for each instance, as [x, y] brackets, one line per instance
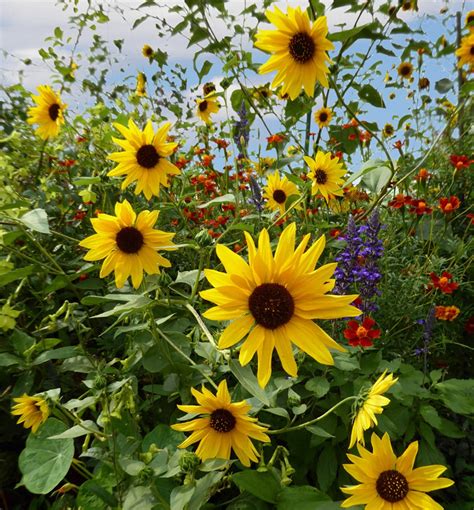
[181, 162]
[222, 144]
[419, 206]
[352, 137]
[335, 232]
[207, 159]
[400, 201]
[449, 205]
[469, 326]
[445, 283]
[361, 334]
[460, 161]
[422, 175]
[80, 215]
[398, 145]
[446, 313]
[364, 136]
[275, 139]
[470, 216]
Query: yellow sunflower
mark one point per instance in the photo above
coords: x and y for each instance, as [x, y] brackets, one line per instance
[466, 51]
[388, 130]
[128, 243]
[264, 164]
[323, 117]
[48, 112]
[373, 404]
[147, 51]
[326, 173]
[277, 192]
[224, 426]
[405, 70]
[140, 89]
[273, 299]
[470, 20]
[388, 482]
[144, 158]
[299, 51]
[206, 107]
[33, 411]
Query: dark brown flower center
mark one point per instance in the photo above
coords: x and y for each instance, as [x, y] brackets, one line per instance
[301, 47]
[222, 420]
[279, 196]
[471, 51]
[392, 486]
[208, 88]
[470, 19]
[129, 240]
[203, 106]
[53, 111]
[323, 117]
[321, 176]
[271, 305]
[405, 70]
[388, 129]
[148, 51]
[147, 156]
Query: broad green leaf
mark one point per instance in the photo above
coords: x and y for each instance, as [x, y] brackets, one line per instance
[457, 394]
[16, 274]
[77, 431]
[45, 462]
[371, 95]
[444, 85]
[139, 498]
[264, 485]
[229, 197]
[301, 498]
[326, 468]
[247, 379]
[181, 496]
[60, 353]
[318, 431]
[37, 220]
[319, 386]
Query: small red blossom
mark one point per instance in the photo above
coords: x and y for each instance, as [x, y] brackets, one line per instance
[80, 215]
[222, 144]
[400, 201]
[83, 276]
[419, 207]
[423, 175]
[444, 283]
[398, 145]
[364, 136]
[275, 139]
[335, 232]
[81, 139]
[469, 326]
[181, 162]
[361, 333]
[460, 162]
[67, 163]
[337, 154]
[448, 205]
[446, 313]
[352, 137]
[470, 216]
[207, 159]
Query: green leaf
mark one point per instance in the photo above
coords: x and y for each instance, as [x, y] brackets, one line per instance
[326, 468]
[16, 274]
[264, 484]
[136, 303]
[77, 430]
[206, 67]
[248, 380]
[85, 181]
[139, 498]
[229, 197]
[181, 496]
[371, 95]
[93, 496]
[444, 85]
[45, 462]
[301, 498]
[61, 353]
[37, 220]
[58, 33]
[7, 359]
[318, 431]
[318, 385]
[457, 395]
[376, 178]
[203, 490]
[198, 34]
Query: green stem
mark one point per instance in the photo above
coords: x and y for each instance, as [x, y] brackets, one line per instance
[201, 324]
[310, 422]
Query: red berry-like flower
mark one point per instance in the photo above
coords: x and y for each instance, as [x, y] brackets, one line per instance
[361, 333]
[448, 205]
[400, 201]
[469, 326]
[444, 283]
[460, 162]
[419, 207]
[446, 313]
[275, 139]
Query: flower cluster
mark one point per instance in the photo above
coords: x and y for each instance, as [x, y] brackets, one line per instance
[447, 313]
[358, 262]
[444, 282]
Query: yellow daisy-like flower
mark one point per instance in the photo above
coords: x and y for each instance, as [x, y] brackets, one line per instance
[147, 51]
[373, 404]
[405, 70]
[264, 164]
[323, 117]
[140, 89]
[33, 411]
[277, 192]
[48, 112]
[144, 158]
[206, 107]
[470, 20]
[388, 482]
[326, 173]
[388, 130]
[299, 51]
[128, 243]
[273, 299]
[224, 426]
[465, 52]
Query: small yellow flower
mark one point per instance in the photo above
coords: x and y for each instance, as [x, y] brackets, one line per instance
[470, 20]
[323, 117]
[206, 107]
[405, 70]
[326, 173]
[264, 164]
[373, 404]
[33, 411]
[48, 112]
[147, 51]
[278, 191]
[141, 85]
[388, 482]
[388, 130]
[222, 426]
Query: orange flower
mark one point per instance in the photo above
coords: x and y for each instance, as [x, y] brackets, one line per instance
[275, 139]
[446, 313]
[400, 201]
[207, 159]
[445, 283]
[422, 175]
[449, 205]
[419, 206]
[460, 161]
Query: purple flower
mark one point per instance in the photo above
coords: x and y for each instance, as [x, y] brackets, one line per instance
[241, 131]
[256, 199]
[358, 262]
